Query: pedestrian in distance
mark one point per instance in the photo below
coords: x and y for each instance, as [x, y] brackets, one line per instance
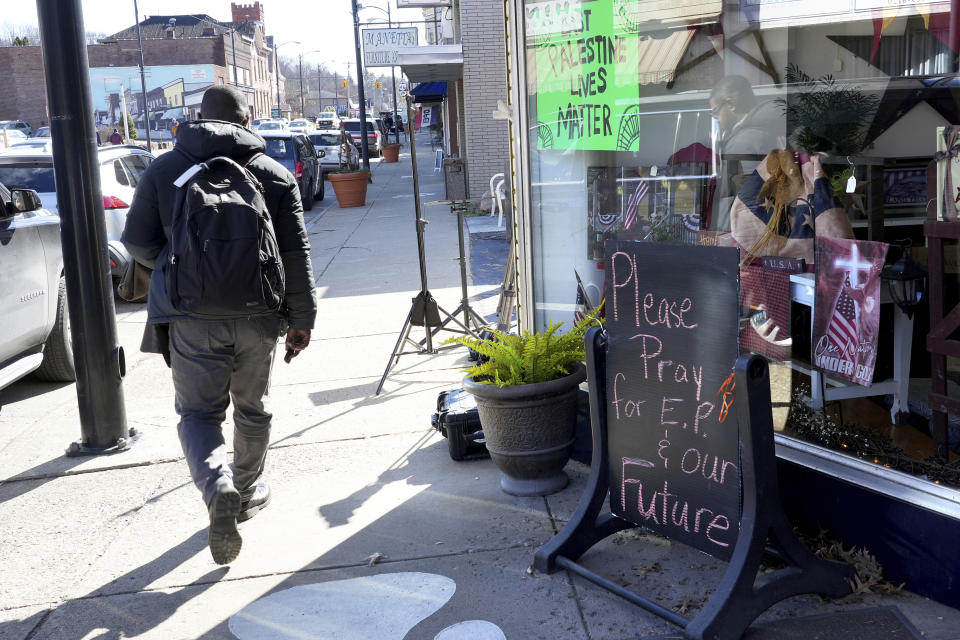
[115, 137]
[220, 296]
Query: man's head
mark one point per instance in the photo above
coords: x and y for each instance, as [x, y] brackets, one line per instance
[223, 102]
[730, 100]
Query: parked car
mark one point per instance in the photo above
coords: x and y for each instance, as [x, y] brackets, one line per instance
[258, 121]
[270, 125]
[120, 169]
[33, 304]
[300, 125]
[327, 141]
[295, 152]
[13, 136]
[328, 120]
[41, 132]
[18, 125]
[374, 136]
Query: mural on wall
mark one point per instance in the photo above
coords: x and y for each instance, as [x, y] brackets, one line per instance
[172, 95]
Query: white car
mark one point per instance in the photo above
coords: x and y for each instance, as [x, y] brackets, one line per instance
[272, 125]
[16, 125]
[121, 166]
[328, 141]
[10, 137]
[300, 125]
[328, 120]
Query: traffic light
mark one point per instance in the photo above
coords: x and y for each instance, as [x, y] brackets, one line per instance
[378, 85]
[343, 83]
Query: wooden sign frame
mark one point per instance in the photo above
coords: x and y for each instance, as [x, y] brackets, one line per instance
[741, 596]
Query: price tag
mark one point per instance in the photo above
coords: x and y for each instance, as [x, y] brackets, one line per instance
[653, 171]
[851, 184]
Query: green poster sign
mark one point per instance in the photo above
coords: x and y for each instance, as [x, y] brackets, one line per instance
[587, 81]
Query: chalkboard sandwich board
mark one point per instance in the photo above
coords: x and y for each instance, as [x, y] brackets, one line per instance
[683, 437]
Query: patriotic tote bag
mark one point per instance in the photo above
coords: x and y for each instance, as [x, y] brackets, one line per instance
[846, 308]
[765, 297]
[783, 205]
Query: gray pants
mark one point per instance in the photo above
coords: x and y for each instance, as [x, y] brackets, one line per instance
[214, 361]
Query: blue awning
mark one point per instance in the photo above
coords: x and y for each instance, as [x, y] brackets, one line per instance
[429, 92]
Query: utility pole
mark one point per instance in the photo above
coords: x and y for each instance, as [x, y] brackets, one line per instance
[364, 143]
[336, 91]
[233, 48]
[319, 91]
[143, 80]
[276, 74]
[300, 70]
[348, 89]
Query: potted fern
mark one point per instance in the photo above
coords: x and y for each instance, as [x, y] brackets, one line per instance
[526, 391]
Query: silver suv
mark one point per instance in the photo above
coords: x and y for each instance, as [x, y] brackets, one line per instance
[30, 165]
[33, 303]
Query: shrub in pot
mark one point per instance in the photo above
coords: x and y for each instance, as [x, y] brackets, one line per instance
[526, 391]
[348, 181]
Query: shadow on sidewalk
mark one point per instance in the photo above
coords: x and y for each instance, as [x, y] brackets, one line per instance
[99, 616]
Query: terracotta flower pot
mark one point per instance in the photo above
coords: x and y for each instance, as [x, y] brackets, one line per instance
[351, 188]
[391, 152]
[529, 431]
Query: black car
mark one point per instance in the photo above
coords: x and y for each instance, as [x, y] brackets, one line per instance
[295, 152]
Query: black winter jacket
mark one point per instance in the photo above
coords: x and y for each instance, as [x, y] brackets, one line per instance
[149, 220]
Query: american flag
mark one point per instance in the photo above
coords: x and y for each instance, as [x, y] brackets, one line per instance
[842, 330]
[630, 215]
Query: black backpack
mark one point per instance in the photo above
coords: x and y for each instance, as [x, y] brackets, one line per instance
[223, 259]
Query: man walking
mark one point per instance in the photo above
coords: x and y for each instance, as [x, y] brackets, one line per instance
[218, 356]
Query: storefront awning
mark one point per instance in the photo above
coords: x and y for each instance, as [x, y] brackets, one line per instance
[658, 57]
[429, 92]
[643, 14]
[170, 114]
[437, 63]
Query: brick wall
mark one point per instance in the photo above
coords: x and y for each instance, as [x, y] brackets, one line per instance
[484, 82]
[21, 69]
[24, 96]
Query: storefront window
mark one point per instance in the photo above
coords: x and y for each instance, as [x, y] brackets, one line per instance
[802, 132]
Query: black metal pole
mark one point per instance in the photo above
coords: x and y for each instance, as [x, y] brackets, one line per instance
[96, 351]
[364, 145]
[143, 79]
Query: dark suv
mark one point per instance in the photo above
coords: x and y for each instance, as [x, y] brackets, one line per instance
[296, 153]
[33, 305]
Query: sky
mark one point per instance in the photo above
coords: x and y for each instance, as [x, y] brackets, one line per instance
[323, 27]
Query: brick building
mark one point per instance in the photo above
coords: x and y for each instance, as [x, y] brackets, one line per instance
[201, 49]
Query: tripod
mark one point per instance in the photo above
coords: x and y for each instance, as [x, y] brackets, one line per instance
[458, 207]
[425, 311]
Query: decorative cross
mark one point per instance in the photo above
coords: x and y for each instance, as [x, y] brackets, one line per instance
[855, 264]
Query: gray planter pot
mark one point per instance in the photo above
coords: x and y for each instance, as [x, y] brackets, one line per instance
[529, 431]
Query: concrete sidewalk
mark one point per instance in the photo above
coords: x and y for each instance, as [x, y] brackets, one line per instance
[373, 532]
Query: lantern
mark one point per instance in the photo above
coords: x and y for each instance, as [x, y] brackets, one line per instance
[906, 281]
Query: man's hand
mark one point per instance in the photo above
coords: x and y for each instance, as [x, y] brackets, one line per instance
[297, 341]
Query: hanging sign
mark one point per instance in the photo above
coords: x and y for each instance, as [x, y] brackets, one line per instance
[847, 307]
[380, 45]
[587, 76]
[673, 441]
